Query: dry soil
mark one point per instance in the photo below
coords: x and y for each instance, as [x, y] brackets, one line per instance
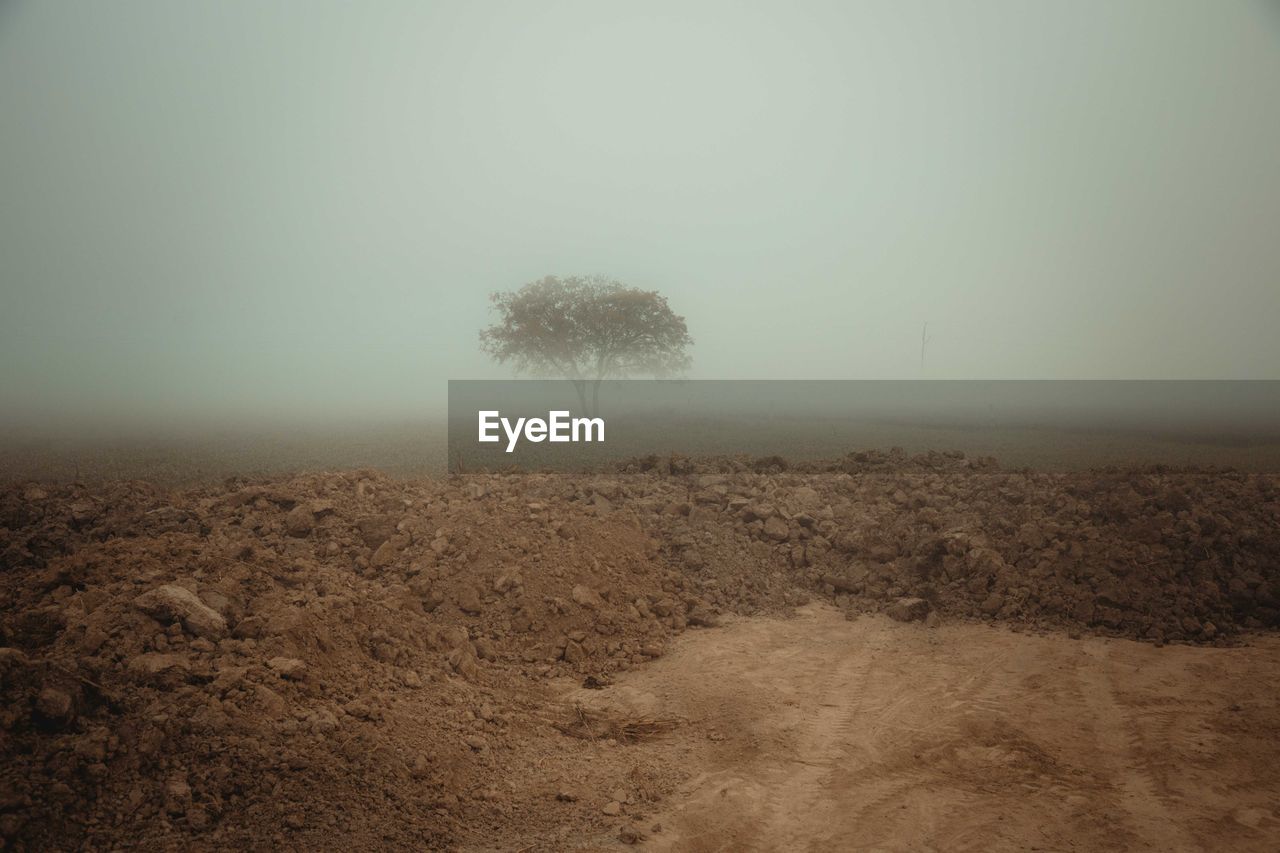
[878, 651]
[822, 733]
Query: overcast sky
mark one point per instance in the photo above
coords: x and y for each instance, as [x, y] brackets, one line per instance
[276, 208]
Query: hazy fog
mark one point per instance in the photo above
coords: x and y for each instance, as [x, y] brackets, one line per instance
[276, 209]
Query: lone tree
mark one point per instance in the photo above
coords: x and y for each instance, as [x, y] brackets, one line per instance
[586, 329]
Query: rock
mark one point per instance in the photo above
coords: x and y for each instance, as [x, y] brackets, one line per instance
[429, 595]
[908, 609]
[702, 616]
[56, 705]
[992, 604]
[805, 496]
[374, 530]
[508, 580]
[844, 584]
[463, 661]
[177, 796]
[421, 767]
[611, 489]
[155, 666]
[299, 522]
[587, 597]
[171, 603]
[388, 551]
[573, 652]
[630, 835]
[273, 703]
[94, 638]
[565, 795]
[230, 609]
[250, 628]
[92, 748]
[290, 668]
[230, 678]
[613, 808]
[468, 601]
[776, 529]
[985, 561]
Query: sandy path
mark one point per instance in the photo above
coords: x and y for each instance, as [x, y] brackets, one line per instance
[818, 733]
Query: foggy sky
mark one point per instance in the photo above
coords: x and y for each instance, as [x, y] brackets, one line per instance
[249, 209]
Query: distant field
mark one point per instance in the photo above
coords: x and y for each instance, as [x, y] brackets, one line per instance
[190, 457]
[421, 449]
[808, 439]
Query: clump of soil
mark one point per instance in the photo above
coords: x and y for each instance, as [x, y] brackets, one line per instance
[344, 659]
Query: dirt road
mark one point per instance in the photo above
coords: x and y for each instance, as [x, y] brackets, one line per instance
[819, 733]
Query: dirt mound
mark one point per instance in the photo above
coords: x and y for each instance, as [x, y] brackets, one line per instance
[292, 662]
[174, 658]
[1157, 553]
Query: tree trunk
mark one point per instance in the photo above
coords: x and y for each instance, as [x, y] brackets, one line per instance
[580, 388]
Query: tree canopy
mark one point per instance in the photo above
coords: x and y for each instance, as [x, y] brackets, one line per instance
[587, 328]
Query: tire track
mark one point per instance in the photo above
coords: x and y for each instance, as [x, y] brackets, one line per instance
[1146, 809]
[869, 734]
